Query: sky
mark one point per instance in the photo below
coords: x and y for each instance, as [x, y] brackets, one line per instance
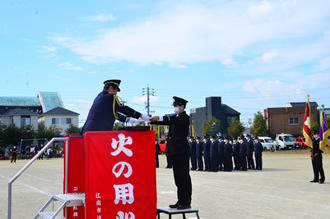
[254, 54]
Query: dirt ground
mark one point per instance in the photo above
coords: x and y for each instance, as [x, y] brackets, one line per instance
[281, 190]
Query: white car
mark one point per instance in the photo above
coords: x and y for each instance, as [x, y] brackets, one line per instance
[266, 143]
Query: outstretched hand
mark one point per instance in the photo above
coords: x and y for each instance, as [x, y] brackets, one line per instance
[154, 119]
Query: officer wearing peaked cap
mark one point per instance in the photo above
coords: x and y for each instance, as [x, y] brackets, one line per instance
[192, 145]
[107, 107]
[178, 148]
[199, 153]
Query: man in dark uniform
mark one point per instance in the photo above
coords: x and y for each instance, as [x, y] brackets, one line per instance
[214, 154]
[242, 154]
[107, 107]
[236, 153]
[221, 148]
[316, 155]
[228, 150]
[258, 153]
[199, 153]
[192, 145]
[178, 149]
[157, 152]
[206, 150]
[13, 154]
[249, 152]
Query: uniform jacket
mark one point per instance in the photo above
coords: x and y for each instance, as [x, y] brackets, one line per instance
[177, 136]
[228, 149]
[242, 149]
[249, 147]
[221, 148]
[192, 146]
[199, 149]
[214, 149]
[206, 148]
[101, 116]
[316, 152]
[258, 148]
[236, 148]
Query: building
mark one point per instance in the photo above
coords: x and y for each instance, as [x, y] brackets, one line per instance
[215, 108]
[36, 111]
[289, 119]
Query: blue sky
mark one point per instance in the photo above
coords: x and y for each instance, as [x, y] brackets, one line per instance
[254, 54]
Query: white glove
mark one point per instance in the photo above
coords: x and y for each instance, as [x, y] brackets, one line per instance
[132, 121]
[145, 117]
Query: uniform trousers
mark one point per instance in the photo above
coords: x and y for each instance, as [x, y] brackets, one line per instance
[258, 162]
[250, 161]
[318, 168]
[182, 178]
[200, 163]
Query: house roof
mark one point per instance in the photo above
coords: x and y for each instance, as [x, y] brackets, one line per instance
[50, 100]
[301, 104]
[230, 110]
[19, 111]
[19, 101]
[60, 111]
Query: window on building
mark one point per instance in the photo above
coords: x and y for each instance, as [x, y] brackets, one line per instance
[230, 119]
[25, 120]
[293, 121]
[66, 120]
[55, 120]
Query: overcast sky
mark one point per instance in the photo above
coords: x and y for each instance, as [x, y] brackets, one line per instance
[254, 54]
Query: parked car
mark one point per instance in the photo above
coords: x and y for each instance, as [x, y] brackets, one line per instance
[266, 143]
[284, 141]
[162, 145]
[300, 142]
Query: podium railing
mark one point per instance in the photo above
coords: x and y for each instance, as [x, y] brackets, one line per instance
[29, 164]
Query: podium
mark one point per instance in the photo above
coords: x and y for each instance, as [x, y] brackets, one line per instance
[116, 170]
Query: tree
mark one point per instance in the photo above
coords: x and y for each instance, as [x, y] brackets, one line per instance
[212, 126]
[72, 129]
[259, 127]
[42, 132]
[12, 135]
[3, 128]
[236, 128]
[118, 125]
[53, 131]
[27, 131]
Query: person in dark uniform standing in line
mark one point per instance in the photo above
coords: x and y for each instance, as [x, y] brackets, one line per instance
[221, 148]
[258, 153]
[157, 152]
[214, 154]
[192, 145]
[107, 107]
[178, 149]
[242, 154]
[316, 155]
[13, 154]
[249, 152]
[228, 150]
[206, 150]
[199, 153]
[236, 153]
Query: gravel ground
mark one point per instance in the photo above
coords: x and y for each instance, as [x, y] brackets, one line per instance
[281, 190]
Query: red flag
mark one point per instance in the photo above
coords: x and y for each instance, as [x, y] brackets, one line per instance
[307, 126]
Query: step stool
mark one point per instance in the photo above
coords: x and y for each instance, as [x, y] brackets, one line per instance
[68, 200]
[171, 211]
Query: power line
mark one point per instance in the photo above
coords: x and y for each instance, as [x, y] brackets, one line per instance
[147, 91]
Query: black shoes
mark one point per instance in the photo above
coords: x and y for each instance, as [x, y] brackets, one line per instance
[314, 181]
[181, 207]
[321, 181]
[174, 206]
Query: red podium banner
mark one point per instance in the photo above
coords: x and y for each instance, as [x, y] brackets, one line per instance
[76, 172]
[120, 173]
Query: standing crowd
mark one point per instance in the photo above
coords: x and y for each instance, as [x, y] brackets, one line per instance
[215, 154]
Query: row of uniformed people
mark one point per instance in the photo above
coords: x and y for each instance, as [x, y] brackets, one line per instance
[214, 154]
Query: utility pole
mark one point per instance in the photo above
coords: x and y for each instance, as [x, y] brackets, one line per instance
[148, 91]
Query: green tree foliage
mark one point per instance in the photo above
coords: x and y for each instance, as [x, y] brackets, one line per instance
[315, 127]
[12, 135]
[212, 126]
[259, 127]
[42, 132]
[236, 128]
[118, 125]
[27, 132]
[53, 131]
[72, 129]
[2, 134]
